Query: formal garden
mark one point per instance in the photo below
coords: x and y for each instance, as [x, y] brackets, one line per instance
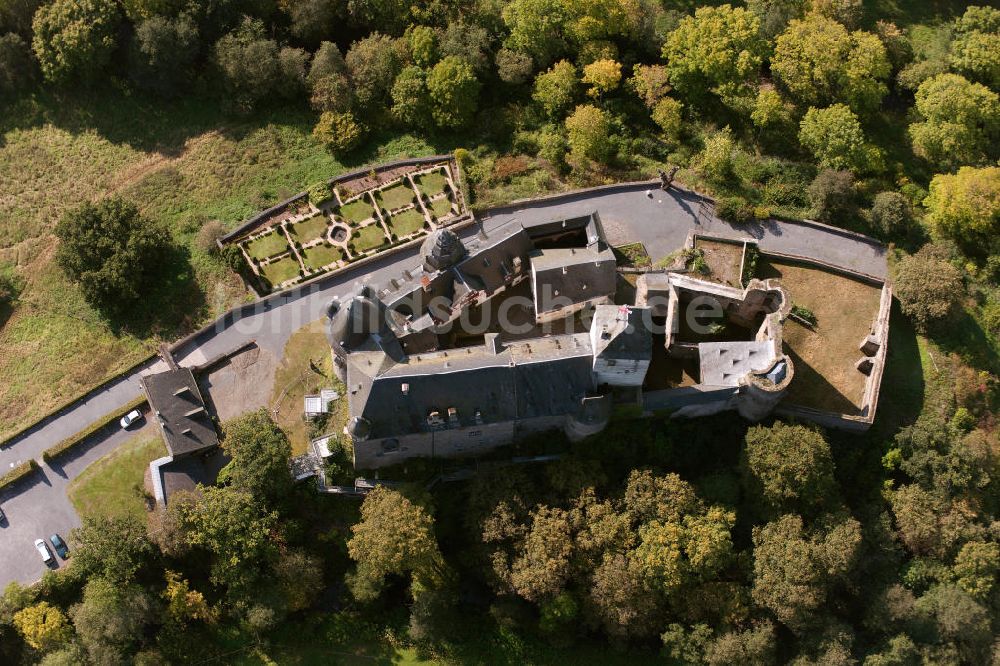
[341, 221]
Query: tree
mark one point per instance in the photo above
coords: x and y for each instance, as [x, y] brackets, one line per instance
[423, 43]
[965, 207]
[667, 114]
[111, 617]
[770, 110]
[603, 76]
[790, 465]
[300, 579]
[794, 568]
[588, 130]
[454, 91]
[74, 39]
[959, 622]
[536, 28]
[43, 626]
[774, 15]
[312, 20]
[976, 49]
[162, 53]
[556, 88]
[373, 63]
[719, 50]
[833, 196]
[542, 568]
[114, 547]
[260, 453]
[329, 86]
[112, 251]
[651, 83]
[16, 67]
[928, 287]
[716, 158]
[240, 534]
[470, 42]
[411, 102]
[753, 647]
[394, 537]
[847, 12]
[961, 121]
[339, 132]
[835, 138]
[620, 601]
[673, 554]
[976, 568]
[293, 64]
[892, 215]
[248, 64]
[184, 604]
[820, 63]
[514, 67]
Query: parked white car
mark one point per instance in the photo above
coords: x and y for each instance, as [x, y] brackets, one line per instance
[43, 550]
[130, 418]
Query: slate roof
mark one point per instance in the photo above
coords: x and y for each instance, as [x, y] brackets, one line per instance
[180, 411]
[495, 261]
[540, 377]
[576, 275]
[622, 332]
[725, 363]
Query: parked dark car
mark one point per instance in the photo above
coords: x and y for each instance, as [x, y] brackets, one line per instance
[59, 545]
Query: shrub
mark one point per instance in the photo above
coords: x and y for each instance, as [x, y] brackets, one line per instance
[667, 114]
[716, 159]
[734, 209]
[805, 314]
[69, 443]
[928, 287]
[208, 236]
[833, 196]
[319, 193]
[17, 473]
[339, 132]
[891, 215]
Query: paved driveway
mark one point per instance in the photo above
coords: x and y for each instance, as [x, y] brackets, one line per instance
[39, 506]
[661, 221]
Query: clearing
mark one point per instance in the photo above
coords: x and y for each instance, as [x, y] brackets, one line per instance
[824, 356]
[113, 485]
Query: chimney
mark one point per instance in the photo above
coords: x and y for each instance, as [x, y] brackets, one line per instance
[493, 344]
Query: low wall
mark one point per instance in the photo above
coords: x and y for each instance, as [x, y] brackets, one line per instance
[260, 218]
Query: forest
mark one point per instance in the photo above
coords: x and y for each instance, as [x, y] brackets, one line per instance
[710, 541]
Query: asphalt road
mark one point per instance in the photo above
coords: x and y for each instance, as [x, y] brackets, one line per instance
[661, 221]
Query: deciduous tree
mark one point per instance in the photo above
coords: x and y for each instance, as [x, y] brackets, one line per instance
[790, 465]
[965, 207]
[834, 136]
[928, 287]
[603, 77]
[43, 626]
[556, 88]
[74, 39]
[373, 63]
[114, 548]
[260, 452]
[589, 133]
[454, 91]
[961, 121]
[16, 67]
[163, 51]
[339, 132]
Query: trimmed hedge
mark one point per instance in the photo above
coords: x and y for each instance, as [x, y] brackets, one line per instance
[21, 471]
[65, 445]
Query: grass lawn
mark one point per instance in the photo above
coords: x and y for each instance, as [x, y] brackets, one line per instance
[357, 212]
[824, 357]
[109, 486]
[407, 222]
[268, 246]
[432, 183]
[723, 260]
[368, 238]
[184, 163]
[321, 255]
[395, 197]
[441, 208]
[314, 227]
[295, 378]
[281, 270]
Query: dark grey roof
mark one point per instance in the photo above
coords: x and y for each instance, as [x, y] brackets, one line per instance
[496, 261]
[622, 332]
[180, 411]
[542, 377]
[589, 225]
[442, 249]
[362, 316]
[187, 472]
[571, 275]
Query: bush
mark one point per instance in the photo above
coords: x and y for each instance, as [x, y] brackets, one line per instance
[833, 196]
[339, 132]
[17, 473]
[716, 159]
[891, 215]
[67, 444]
[805, 314]
[734, 209]
[928, 287]
[209, 235]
